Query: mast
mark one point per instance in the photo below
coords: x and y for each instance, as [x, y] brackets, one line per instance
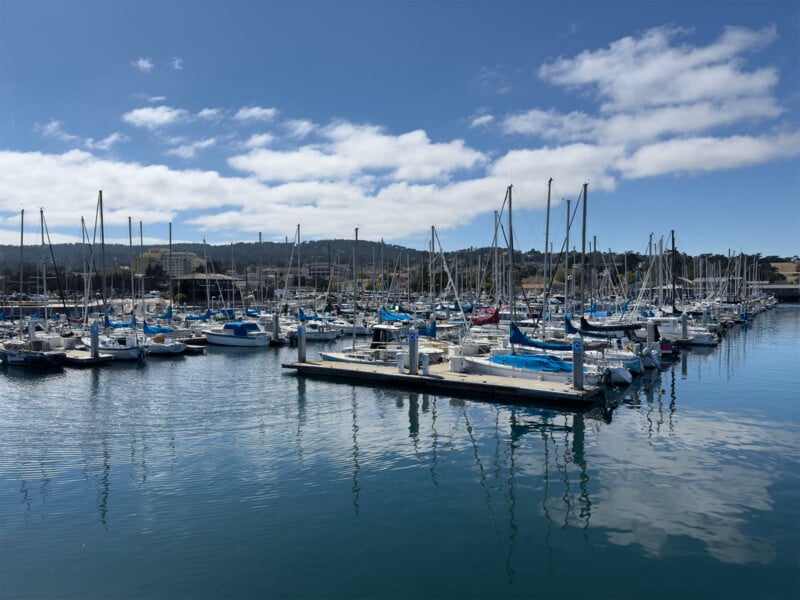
[171, 297]
[355, 286]
[511, 261]
[566, 267]
[102, 249]
[583, 249]
[260, 272]
[21, 244]
[545, 304]
[130, 247]
[673, 270]
[141, 261]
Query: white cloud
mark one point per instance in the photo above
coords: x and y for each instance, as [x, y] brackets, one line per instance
[191, 150]
[154, 117]
[156, 99]
[299, 128]
[481, 120]
[570, 166]
[145, 65]
[648, 71]
[353, 150]
[258, 140]
[255, 113]
[210, 113]
[176, 63]
[107, 142]
[708, 154]
[53, 129]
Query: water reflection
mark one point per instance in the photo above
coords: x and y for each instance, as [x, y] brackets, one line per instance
[664, 466]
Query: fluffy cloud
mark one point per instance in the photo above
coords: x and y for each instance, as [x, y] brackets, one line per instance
[145, 65]
[54, 129]
[176, 63]
[191, 150]
[106, 143]
[694, 155]
[353, 150]
[153, 117]
[258, 140]
[649, 71]
[255, 113]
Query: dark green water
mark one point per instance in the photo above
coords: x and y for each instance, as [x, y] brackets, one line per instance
[226, 476]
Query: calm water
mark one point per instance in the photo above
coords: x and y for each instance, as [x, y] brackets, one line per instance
[226, 476]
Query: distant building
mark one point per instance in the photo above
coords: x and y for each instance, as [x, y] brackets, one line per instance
[175, 264]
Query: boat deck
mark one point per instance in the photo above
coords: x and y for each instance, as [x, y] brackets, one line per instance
[440, 379]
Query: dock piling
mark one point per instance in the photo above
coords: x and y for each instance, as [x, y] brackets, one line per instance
[301, 343]
[577, 362]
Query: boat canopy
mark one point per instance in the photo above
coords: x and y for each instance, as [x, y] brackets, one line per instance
[517, 336]
[533, 362]
[152, 329]
[241, 327]
[387, 316]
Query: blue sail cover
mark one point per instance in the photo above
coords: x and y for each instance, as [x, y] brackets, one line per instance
[517, 336]
[167, 315]
[119, 324]
[301, 316]
[204, 317]
[429, 331]
[533, 362]
[387, 316]
[152, 330]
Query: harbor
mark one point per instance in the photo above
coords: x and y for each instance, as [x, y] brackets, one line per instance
[226, 474]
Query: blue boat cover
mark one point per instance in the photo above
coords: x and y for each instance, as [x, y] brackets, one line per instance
[167, 315]
[118, 324]
[241, 328]
[429, 331]
[517, 336]
[152, 330]
[205, 317]
[387, 316]
[533, 362]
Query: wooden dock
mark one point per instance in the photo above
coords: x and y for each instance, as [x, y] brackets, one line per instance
[84, 358]
[441, 380]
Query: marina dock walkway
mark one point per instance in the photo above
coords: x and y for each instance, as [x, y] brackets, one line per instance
[440, 379]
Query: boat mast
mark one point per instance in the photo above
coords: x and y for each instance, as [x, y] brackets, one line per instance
[102, 249]
[133, 287]
[171, 295]
[583, 249]
[673, 270]
[545, 304]
[566, 269]
[21, 269]
[511, 282]
[355, 286]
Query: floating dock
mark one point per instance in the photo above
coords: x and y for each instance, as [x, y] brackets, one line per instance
[440, 379]
[84, 358]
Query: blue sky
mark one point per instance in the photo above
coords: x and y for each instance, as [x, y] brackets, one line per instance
[232, 118]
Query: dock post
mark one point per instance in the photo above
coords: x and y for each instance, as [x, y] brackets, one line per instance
[577, 362]
[413, 351]
[684, 327]
[276, 327]
[301, 344]
[426, 361]
[94, 331]
[651, 333]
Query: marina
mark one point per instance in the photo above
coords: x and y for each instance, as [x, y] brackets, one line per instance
[227, 475]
